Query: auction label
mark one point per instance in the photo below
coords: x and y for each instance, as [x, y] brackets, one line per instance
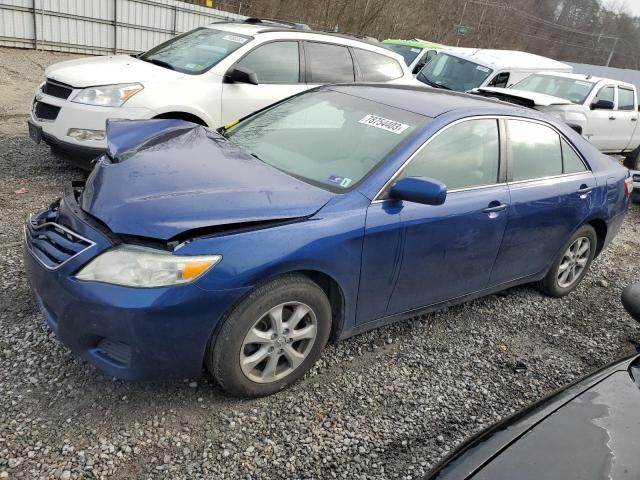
[384, 124]
[234, 38]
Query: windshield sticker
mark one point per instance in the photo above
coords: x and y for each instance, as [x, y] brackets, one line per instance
[384, 124]
[234, 38]
[415, 50]
[344, 182]
[482, 69]
[584, 84]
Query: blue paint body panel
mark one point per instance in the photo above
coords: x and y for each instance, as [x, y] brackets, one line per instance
[167, 180]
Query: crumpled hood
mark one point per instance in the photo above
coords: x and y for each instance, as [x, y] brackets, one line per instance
[538, 99]
[108, 70]
[161, 178]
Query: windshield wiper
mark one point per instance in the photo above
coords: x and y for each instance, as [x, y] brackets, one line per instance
[160, 63]
[257, 157]
[424, 79]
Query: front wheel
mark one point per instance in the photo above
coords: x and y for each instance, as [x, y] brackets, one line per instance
[572, 265]
[272, 338]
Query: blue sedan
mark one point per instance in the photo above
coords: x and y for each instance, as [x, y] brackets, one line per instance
[330, 213]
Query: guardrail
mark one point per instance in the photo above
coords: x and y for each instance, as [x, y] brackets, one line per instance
[100, 26]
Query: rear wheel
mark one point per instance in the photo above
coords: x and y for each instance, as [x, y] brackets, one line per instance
[272, 338]
[572, 264]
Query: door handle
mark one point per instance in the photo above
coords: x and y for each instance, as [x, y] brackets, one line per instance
[612, 118]
[634, 119]
[583, 190]
[495, 207]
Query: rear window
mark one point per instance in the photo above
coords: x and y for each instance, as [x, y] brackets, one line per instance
[375, 67]
[626, 99]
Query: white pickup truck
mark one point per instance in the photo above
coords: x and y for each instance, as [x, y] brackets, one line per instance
[604, 111]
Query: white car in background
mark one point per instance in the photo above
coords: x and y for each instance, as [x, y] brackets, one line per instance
[211, 75]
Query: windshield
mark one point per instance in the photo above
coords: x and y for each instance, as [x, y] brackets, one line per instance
[329, 139]
[408, 53]
[196, 51]
[453, 73]
[575, 91]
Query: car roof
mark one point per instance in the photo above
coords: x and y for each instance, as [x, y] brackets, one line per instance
[429, 102]
[497, 59]
[417, 43]
[282, 30]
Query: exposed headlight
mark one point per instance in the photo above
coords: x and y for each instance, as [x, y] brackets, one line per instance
[108, 95]
[142, 267]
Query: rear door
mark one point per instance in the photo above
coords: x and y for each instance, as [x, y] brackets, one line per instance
[278, 68]
[550, 188]
[425, 254]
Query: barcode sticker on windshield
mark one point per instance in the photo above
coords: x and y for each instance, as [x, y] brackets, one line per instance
[234, 38]
[415, 50]
[584, 84]
[384, 123]
[482, 69]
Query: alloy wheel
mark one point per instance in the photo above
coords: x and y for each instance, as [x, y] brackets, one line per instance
[573, 262]
[278, 342]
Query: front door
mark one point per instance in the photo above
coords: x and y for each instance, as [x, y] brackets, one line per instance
[551, 194]
[602, 123]
[437, 253]
[277, 66]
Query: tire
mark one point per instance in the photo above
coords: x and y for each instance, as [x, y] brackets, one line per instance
[554, 285]
[632, 160]
[255, 318]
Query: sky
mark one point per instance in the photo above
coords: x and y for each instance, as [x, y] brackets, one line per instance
[631, 6]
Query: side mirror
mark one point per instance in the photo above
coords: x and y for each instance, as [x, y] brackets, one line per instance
[631, 300]
[602, 105]
[241, 75]
[420, 190]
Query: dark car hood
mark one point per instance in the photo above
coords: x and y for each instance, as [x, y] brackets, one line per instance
[161, 178]
[591, 431]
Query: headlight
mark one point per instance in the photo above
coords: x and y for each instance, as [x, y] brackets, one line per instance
[142, 267]
[108, 95]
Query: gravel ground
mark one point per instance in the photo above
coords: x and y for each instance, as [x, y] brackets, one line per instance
[386, 404]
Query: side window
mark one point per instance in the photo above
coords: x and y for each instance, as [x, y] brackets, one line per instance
[501, 80]
[571, 162]
[626, 99]
[606, 94]
[277, 62]
[375, 67]
[329, 63]
[464, 155]
[535, 150]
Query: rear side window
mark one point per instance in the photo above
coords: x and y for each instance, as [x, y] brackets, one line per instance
[535, 150]
[329, 63]
[375, 67]
[626, 99]
[277, 62]
[462, 156]
[571, 162]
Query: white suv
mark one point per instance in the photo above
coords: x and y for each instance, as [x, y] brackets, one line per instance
[211, 75]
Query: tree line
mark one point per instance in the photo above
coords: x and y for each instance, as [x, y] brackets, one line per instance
[581, 31]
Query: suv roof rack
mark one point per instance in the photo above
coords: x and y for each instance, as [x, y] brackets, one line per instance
[276, 22]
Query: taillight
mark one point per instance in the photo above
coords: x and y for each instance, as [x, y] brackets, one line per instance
[628, 186]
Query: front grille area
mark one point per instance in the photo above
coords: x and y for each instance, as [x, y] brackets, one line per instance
[44, 111]
[115, 351]
[55, 89]
[53, 244]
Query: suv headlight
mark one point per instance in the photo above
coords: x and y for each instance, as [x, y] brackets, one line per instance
[107, 95]
[143, 267]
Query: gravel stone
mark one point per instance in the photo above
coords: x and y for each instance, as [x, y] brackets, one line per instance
[387, 404]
